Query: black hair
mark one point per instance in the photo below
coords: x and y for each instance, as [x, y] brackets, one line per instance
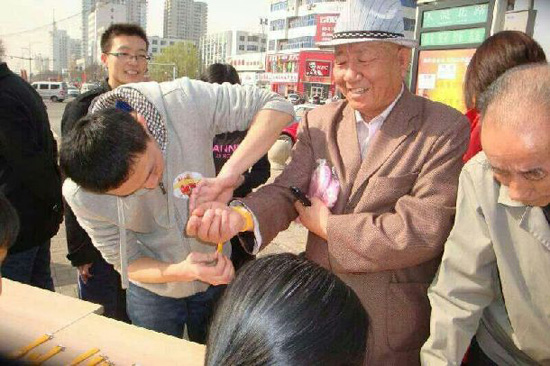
[286, 310]
[121, 29]
[9, 223]
[99, 152]
[220, 73]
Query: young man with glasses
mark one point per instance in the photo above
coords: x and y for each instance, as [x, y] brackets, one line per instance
[124, 54]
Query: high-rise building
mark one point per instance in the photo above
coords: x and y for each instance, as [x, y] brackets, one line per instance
[218, 47]
[60, 43]
[135, 12]
[104, 14]
[87, 7]
[185, 19]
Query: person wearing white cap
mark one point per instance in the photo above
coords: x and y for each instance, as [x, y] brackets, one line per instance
[397, 157]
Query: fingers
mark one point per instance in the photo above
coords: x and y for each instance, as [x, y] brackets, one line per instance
[202, 258]
[204, 228]
[193, 225]
[222, 273]
[214, 224]
[299, 208]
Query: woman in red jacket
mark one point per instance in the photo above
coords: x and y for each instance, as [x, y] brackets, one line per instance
[495, 55]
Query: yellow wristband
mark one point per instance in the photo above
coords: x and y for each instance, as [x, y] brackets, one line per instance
[247, 216]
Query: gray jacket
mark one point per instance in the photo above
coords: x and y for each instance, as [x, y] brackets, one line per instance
[193, 112]
[494, 279]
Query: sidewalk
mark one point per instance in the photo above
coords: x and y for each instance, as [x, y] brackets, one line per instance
[65, 276]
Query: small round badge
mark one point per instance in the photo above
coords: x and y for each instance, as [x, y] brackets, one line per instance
[184, 184]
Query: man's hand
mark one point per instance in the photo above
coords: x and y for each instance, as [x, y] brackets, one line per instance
[214, 222]
[213, 268]
[219, 189]
[315, 217]
[84, 272]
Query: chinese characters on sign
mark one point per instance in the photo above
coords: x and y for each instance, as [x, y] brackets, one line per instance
[441, 75]
[325, 27]
[452, 37]
[463, 15]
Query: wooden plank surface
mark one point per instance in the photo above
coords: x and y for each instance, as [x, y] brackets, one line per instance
[28, 313]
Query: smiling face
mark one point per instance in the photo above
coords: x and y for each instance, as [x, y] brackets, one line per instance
[370, 74]
[519, 153]
[122, 71]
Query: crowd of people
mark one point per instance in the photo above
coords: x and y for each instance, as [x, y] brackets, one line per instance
[436, 251]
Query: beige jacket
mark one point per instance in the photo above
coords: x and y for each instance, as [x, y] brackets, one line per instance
[494, 280]
[393, 214]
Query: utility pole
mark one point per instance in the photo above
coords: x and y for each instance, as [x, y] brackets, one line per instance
[263, 24]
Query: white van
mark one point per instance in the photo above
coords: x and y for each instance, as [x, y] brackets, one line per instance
[52, 90]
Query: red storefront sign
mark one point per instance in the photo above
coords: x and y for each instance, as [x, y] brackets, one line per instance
[325, 27]
[317, 68]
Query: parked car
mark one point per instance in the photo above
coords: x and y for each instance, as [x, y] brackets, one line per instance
[294, 98]
[88, 86]
[53, 90]
[279, 153]
[73, 92]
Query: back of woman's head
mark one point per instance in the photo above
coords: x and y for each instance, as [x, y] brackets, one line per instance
[220, 73]
[286, 310]
[494, 56]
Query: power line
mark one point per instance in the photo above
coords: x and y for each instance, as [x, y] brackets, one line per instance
[40, 27]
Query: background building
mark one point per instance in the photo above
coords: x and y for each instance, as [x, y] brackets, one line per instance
[60, 51]
[220, 47]
[135, 11]
[157, 44]
[104, 14]
[185, 19]
[251, 68]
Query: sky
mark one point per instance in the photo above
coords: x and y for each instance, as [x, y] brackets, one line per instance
[26, 24]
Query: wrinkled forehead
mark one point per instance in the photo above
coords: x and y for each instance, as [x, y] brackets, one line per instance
[374, 47]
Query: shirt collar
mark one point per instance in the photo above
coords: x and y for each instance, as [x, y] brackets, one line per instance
[385, 113]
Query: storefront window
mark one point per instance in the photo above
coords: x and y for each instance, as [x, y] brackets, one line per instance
[300, 42]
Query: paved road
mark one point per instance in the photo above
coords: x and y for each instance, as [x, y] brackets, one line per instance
[291, 240]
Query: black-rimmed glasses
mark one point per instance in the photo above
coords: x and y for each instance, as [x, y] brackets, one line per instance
[125, 56]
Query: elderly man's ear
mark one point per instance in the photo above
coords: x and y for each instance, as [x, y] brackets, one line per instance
[404, 57]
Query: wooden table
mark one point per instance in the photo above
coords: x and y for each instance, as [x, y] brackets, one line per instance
[28, 313]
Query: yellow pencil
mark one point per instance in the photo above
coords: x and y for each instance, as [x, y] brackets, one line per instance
[23, 351]
[84, 356]
[96, 360]
[46, 356]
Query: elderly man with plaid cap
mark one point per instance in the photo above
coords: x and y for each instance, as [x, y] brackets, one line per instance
[397, 157]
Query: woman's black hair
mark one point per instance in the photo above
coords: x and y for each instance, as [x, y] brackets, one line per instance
[9, 223]
[220, 73]
[286, 310]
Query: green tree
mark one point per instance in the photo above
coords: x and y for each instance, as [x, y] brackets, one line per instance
[185, 57]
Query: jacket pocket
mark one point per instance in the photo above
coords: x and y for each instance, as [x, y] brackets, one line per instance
[382, 192]
[407, 316]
